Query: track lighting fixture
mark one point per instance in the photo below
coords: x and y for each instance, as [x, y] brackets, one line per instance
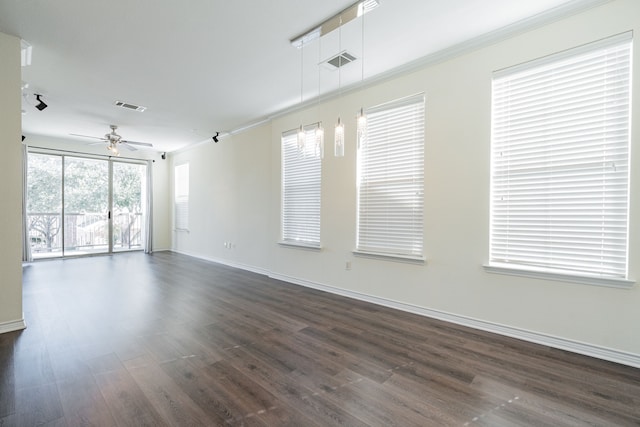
[23, 138]
[164, 156]
[41, 105]
[215, 137]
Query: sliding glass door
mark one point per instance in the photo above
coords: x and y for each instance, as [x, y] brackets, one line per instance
[81, 206]
[44, 205]
[129, 194]
[86, 206]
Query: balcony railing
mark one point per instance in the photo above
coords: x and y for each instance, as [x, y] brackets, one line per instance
[83, 233]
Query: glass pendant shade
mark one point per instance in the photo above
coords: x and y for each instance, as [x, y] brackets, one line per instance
[319, 141]
[361, 129]
[301, 140]
[338, 149]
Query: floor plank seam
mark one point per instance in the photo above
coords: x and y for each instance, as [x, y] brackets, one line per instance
[254, 414]
[497, 408]
[397, 368]
[324, 391]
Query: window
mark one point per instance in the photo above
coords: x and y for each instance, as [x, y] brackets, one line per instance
[181, 197]
[301, 179]
[560, 163]
[391, 180]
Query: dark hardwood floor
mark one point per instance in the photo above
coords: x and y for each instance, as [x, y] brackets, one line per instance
[165, 339]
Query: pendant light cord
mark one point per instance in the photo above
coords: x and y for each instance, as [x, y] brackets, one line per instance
[319, 70]
[362, 41]
[301, 70]
[340, 58]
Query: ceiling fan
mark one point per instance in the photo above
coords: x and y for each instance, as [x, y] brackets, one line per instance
[114, 140]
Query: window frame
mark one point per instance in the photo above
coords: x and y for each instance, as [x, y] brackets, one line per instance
[301, 201]
[374, 162]
[561, 66]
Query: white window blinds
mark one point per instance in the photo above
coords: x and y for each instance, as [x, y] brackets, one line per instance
[301, 179]
[181, 196]
[391, 180]
[560, 162]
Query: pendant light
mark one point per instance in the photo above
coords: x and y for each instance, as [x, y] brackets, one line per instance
[361, 130]
[356, 10]
[319, 133]
[338, 149]
[338, 136]
[301, 140]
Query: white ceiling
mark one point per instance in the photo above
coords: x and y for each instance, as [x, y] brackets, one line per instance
[202, 66]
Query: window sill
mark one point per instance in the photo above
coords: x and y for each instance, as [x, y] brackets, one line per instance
[300, 245]
[411, 259]
[510, 270]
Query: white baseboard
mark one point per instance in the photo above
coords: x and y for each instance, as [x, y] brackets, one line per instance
[604, 353]
[162, 250]
[225, 262]
[14, 325]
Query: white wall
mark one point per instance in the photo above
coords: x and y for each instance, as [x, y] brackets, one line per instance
[11, 317]
[235, 194]
[161, 190]
[161, 205]
[229, 200]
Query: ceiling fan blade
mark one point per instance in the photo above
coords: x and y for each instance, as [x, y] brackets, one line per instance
[144, 144]
[87, 136]
[127, 146]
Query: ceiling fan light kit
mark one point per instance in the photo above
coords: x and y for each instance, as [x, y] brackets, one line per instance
[114, 140]
[113, 147]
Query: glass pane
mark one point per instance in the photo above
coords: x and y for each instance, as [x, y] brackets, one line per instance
[86, 201]
[129, 193]
[44, 205]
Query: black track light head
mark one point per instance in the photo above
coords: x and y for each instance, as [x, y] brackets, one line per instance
[215, 137]
[41, 105]
[164, 156]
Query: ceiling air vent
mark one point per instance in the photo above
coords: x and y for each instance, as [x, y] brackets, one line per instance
[129, 106]
[340, 60]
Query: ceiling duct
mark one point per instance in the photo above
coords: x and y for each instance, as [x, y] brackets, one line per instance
[129, 106]
[340, 60]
